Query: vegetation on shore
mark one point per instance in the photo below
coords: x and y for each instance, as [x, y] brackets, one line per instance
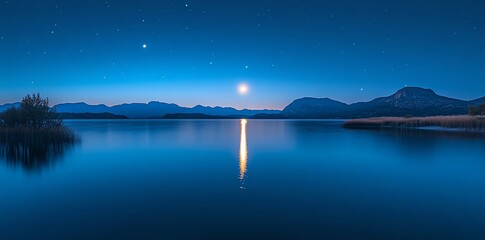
[33, 132]
[467, 123]
[476, 110]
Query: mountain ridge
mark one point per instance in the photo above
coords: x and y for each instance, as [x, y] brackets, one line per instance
[155, 109]
[408, 101]
[152, 109]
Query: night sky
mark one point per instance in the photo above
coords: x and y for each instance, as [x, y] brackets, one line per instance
[198, 52]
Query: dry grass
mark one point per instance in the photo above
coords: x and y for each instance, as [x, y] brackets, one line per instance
[33, 136]
[467, 123]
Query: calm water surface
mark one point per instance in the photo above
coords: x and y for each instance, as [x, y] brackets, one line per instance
[233, 179]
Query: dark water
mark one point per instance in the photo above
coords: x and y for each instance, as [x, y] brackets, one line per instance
[261, 180]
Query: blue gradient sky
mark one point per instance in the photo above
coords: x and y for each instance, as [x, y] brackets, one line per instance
[199, 51]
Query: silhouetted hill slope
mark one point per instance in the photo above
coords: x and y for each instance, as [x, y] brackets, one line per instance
[407, 101]
[81, 108]
[229, 111]
[412, 101]
[314, 108]
[154, 109]
[8, 105]
[90, 116]
[194, 116]
[142, 110]
[478, 101]
[268, 116]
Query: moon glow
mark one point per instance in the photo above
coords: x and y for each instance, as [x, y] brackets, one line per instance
[243, 89]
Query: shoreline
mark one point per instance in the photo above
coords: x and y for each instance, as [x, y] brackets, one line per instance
[458, 123]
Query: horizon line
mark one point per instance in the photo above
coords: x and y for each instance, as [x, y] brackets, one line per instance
[240, 109]
[119, 104]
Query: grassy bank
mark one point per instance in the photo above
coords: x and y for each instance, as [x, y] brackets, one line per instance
[34, 148]
[465, 123]
[32, 136]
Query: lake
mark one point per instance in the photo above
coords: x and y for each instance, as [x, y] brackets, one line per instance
[254, 179]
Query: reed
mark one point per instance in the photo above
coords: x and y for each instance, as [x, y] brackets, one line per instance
[468, 123]
[33, 136]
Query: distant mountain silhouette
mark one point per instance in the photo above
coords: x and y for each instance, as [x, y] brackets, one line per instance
[313, 108]
[409, 101]
[412, 101]
[8, 105]
[90, 116]
[81, 108]
[154, 110]
[478, 101]
[195, 116]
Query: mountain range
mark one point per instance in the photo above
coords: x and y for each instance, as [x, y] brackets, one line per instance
[409, 101]
[8, 105]
[147, 110]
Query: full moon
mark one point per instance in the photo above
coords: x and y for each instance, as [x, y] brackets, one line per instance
[243, 89]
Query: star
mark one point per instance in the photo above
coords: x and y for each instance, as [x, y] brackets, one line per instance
[144, 46]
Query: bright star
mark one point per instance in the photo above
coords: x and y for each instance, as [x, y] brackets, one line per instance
[144, 46]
